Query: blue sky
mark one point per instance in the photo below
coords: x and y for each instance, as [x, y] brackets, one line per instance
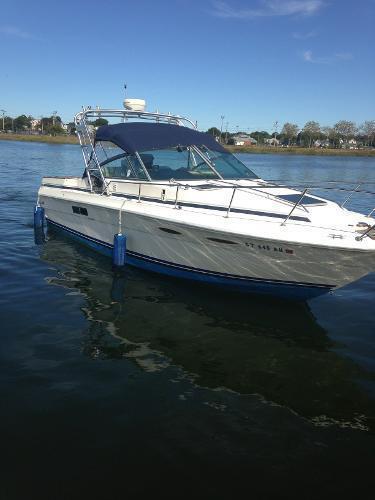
[253, 61]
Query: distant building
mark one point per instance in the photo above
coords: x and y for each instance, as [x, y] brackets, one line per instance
[243, 140]
[272, 142]
[35, 124]
[350, 144]
[322, 144]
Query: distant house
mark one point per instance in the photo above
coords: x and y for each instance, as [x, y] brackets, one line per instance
[322, 144]
[243, 140]
[272, 142]
[350, 144]
[35, 124]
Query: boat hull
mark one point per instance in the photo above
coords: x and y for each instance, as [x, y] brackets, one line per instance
[290, 290]
[169, 246]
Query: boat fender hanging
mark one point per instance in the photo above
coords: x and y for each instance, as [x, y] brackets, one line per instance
[119, 250]
[38, 217]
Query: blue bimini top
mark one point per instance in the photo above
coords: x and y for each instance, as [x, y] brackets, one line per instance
[139, 136]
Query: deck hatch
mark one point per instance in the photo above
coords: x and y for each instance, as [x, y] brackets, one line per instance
[306, 200]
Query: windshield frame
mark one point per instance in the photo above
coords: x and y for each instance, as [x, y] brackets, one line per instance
[203, 152]
[220, 155]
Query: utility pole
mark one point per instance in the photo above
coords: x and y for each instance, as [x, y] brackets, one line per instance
[275, 127]
[226, 133]
[221, 128]
[3, 112]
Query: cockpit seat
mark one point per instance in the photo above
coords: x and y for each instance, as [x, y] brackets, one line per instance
[148, 160]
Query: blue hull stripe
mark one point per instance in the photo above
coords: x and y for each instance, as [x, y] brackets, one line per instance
[278, 287]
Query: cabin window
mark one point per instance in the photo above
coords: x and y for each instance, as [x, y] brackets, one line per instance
[79, 210]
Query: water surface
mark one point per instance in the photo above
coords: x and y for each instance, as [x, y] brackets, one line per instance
[116, 383]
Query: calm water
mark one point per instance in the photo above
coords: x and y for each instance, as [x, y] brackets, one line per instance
[122, 383]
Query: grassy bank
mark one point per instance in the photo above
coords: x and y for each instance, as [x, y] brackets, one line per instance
[57, 139]
[300, 151]
[72, 139]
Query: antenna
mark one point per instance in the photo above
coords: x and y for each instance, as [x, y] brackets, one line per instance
[125, 88]
[275, 128]
[221, 128]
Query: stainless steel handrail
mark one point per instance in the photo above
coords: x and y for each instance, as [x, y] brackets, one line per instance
[350, 196]
[125, 113]
[360, 238]
[295, 206]
[155, 182]
[231, 201]
[176, 200]
[87, 146]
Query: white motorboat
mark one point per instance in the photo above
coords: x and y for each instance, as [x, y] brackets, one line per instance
[191, 209]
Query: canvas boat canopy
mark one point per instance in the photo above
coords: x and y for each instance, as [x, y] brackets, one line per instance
[138, 136]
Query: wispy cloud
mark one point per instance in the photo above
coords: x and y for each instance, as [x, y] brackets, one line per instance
[304, 36]
[346, 56]
[267, 8]
[309, 57]
[17, 33]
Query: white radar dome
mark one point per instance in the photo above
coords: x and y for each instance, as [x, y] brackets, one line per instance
[135, 104]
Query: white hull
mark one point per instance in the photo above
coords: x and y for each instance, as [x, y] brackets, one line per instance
[166, 236]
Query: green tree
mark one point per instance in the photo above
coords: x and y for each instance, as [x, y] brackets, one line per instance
[368, 130]
[99, 122]
[214, 131]
[289, 131]
[71, 128]
[8, 123]
[56, 129]
[345, 130]
[311, 131]
[52, 125]
[260, 136]
[328, 134]
[22, 122]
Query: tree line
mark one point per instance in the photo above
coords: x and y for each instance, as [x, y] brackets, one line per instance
[311, 134]
[47, 125]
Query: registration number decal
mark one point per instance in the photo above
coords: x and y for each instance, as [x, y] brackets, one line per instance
[270, 248]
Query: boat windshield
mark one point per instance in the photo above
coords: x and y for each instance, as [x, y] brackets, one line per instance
[182, 163]
[228, 166]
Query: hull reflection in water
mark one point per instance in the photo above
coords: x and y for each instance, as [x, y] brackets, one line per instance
[269, 348]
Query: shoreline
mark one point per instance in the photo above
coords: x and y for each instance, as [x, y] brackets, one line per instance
[300, 151]
[50, 139]
[72, 139]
